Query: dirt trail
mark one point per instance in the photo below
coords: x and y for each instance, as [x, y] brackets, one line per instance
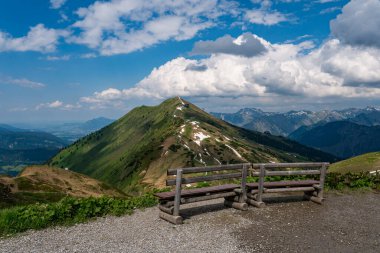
[345, 223]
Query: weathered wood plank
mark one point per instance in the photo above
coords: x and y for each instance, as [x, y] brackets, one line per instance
[322, 181]
[314, 199]
[236, 205]
[255, 203]
[208, 168]
[288, 165]
[284, 183]
[244, 183]
[290, 189]
[288, 173]
[190, 180]
[198, 191]
[168, 210]
[207, 197]
[177, 197]
[261, 183]
[171, 218]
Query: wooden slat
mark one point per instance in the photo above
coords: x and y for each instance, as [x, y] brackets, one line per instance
[208, 197]
[190, 180]
[168, 210]
[177, 197]
[244, 183]
[288, 165]
[288, 173]
[208, 168]
[290, 189]
[322, 181]
[240, 166]
[198, 191]
[261, 183]
[284, 184]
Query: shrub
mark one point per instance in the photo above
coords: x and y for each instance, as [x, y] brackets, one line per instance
[68, 211]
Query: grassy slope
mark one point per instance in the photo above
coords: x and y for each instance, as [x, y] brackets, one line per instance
[143, 144]
[46, 184]
[363, 163]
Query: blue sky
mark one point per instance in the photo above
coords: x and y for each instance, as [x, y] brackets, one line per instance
[63, 60]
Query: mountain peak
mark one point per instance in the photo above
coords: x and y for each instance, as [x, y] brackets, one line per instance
[135, 151]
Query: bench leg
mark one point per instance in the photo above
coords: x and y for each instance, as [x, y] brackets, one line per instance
[252, 200]
[176, 220]
[237, 205]
[168, 210]
[314, 197]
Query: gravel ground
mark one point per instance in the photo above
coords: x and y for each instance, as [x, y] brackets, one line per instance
[345, 223]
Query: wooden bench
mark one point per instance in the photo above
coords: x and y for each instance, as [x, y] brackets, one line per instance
[234, 194]
[238, 195]
[313, 189]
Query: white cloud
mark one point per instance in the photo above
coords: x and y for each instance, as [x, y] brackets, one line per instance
[327, 1]
[58, 58]
[246, 44]
[124, 26]
[23, 82]
[330, 10]
[38, 38]
[57, 104]
[358, 24]
[265, 17]
[88, 56]
[54, 104]
[56, 4]
[332, 70]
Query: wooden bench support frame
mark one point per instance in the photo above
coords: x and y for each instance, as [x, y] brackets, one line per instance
[238, 196]
[313, 192]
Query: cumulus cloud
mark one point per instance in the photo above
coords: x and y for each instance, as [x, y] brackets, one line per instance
[332, 70]
[39, 38]
[265, 15]
[57, 104]
[56, 4]
[245, 45]
[124, 26]
[58, 58]
[23, 82]
[358, 24]
[330, 10]
[327, 1]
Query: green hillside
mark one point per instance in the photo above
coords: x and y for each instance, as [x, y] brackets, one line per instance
[136, 150]
[47, 184]
[363, 163]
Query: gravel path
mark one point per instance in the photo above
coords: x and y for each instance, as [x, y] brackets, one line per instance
[345, 223]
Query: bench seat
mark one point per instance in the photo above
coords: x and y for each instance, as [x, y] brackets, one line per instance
[198, 191]
[281, 184]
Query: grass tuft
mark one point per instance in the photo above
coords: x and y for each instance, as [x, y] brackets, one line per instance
[68, 211]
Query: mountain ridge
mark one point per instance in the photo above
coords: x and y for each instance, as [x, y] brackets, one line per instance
[285, 123]
[139, 147]
[341, 138]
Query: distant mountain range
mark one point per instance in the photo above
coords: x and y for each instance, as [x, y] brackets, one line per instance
[135, 151]
[278, 123]
[341, 138]
[20, 147]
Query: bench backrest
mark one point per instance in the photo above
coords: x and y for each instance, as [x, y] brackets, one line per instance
[232, 171]
[306, 169]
